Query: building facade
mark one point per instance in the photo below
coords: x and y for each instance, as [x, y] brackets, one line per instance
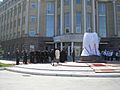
[41, 24]
[25, 24]
[75, 17]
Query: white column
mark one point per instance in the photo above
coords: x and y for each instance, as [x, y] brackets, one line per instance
[61, 17]
[21, 19]
[72, 16]
[61, 46]
[55, 45]
[97, 17]
[72, 46]
[114, 17]
[93, 15]
[55, 17]
[17, 22]
[27, 14]
[84, 15]
[38, 26]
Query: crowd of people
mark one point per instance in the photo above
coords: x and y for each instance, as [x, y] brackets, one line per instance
[44, 56]
[54, 55]
[111, 55]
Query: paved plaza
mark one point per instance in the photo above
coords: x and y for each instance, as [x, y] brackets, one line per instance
[69, 69]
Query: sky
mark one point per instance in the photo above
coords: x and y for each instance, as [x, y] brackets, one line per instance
[1, 0]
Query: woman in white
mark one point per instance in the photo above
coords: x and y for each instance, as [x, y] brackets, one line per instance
[57, 55]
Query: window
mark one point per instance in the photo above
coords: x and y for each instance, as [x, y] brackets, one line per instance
[50, 19]
[50, 25]
[102, 9]
[11, 25]
[118, 19]
[88, 22]
[24, 5]
[18, 21]
[78, 1]
[23, 21]
[88, 2]
[78, 22]
[102, 19]
[58, 26]
[11, 12]
[15, 10]
[32, 33]
[33, 19]
[67, 19]
[50, 7]
[119, 33]
[67, 22]
[33, 5]
[19, 8]
[118, 7]
[5, 17]
[14, 23]
[67, 2]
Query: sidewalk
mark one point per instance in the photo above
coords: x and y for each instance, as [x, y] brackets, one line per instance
[71, 69]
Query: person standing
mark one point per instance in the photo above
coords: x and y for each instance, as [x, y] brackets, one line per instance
[73, 55]
[63, 56]
[52, 54]
[24, 56]
[32, 56]
[17, 56]
[57, 57]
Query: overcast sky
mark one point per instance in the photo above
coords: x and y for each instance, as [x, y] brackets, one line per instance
[1, 0]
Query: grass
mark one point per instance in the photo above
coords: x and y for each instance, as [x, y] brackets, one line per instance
[6, 65]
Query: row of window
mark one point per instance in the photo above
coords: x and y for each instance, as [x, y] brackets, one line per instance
[13, 11]
[67, 2]
[33, 5]
[7, 4]
[32, 31]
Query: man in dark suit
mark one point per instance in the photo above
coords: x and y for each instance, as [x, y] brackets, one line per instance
[17, 56]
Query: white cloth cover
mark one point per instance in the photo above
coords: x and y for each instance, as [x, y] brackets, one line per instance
[90, 44]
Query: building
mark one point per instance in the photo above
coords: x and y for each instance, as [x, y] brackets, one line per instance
[41, 24]
[25, 24]
[75, 17]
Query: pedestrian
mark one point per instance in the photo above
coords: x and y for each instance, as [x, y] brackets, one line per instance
[117, 56]
[57, 55]
[8, 55]
[25, 56]
[42, 57]
[37, 56]
[52, 54]
[73, 55]
[32, 56]
[46, 55]
[63, 56]
[17, 56]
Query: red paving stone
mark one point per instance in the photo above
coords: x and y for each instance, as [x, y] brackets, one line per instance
[98, 65]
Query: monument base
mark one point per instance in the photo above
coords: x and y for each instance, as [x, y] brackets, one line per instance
[92, 59]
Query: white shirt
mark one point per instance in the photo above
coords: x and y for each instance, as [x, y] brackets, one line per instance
[57, 54]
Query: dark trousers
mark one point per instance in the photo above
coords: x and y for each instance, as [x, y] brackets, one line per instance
[17, 61]
[25, 61]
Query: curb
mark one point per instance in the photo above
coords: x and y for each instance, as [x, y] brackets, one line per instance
[2, 68]
[54, 69]
[43, 73]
